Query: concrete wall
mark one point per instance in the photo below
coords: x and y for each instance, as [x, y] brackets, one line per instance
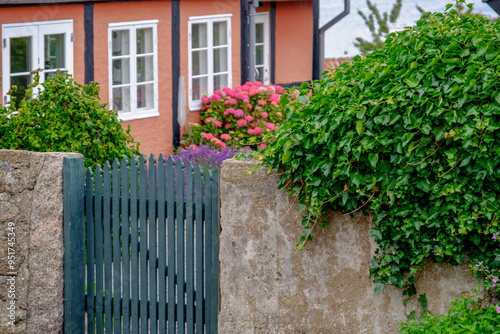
[268, 286]
[31, 199]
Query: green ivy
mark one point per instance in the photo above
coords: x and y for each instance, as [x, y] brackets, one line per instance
[65, 117]
[410, 135]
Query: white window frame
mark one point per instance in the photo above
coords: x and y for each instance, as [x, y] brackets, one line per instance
[195, 105]
[135, 113]
[37, 31]
[263, 18]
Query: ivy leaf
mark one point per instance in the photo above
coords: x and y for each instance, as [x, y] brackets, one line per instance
[359, 127]
[302, 99]
[373, 159]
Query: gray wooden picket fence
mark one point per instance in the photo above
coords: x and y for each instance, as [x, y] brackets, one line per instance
[141, 247]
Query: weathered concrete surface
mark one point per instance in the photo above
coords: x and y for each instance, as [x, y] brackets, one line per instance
[31, 197]
[268, 286]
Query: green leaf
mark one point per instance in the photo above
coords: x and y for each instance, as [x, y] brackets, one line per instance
[302, 99]
[373, 159]
[359, 127]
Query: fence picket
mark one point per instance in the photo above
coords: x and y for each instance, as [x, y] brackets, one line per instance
[171, 244]
[99, 252]
[214, 253]
[117, 273]
[134, 246]
[89, 193]
[180, 246]
[208, 244]
[199, 249]
[108, 263]
[143, 243]
[162, 240]
[189, 250]
[153, 292]
[125, 244]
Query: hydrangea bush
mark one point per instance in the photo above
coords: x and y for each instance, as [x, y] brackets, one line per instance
[237, 117]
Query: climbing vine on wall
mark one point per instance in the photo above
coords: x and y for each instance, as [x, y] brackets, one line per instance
[410, 135]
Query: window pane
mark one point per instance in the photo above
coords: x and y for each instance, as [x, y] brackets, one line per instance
[145, 96]
[20, 54]
[145, 40]
[259, 32]
[22, 83]
[121, 45]
[144, 68]
[220, 81]
[259, 73]
[220, 60]
[121, 71]
[200, 60]
[199, 35]
[54, 51]
[200, 88]
[259, 55]
[121, 99]
[220, 33]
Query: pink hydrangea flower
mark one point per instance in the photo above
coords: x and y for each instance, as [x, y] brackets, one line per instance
[231, 102]
[241, 123]
[274, 97]
[258, 83]
[249, 118]
[246, 148]
[246, 99]
[238, 113]
[261, 102]
[217, 124]
[250, 106]
[264, 115]
[228, 126]
[258, 108]
[257, 131]
[218, 92]
[225, 136]
[262, 146]
[205, 100]
[193, 147]
[229, 92]
[270, 126]
[208, 136]
[250, 131]
[274, 103]
[215, 97]
[239, 96]
[208, 119]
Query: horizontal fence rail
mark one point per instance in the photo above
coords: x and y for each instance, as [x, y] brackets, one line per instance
[151, 247]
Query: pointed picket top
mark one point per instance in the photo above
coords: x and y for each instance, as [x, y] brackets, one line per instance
[200, 170]
[171, 160]
[180, 164]
[98, 169]
[124, 161]
[116, 163]
[107, 166]
[89, 172]
[142, 160]
[190, 167]
[152, 158]
[133, 160]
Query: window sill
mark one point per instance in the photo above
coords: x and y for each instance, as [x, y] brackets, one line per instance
[138, 115]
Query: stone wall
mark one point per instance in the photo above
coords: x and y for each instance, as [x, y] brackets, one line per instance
[268, 286]
[31, 199]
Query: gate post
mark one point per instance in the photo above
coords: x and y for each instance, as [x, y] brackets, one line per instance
[74, 245]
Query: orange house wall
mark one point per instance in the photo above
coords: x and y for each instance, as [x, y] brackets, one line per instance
[154, 133]
[51, 13]
[204, 8]
[294, 41]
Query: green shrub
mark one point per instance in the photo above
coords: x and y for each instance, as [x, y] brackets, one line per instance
[409, 134]
[65, 117]
[239, 117]
[466, 316]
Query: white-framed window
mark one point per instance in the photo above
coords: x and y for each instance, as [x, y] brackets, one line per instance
[209, 56]
[133, 69]
[47, 45]
[262, 47]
